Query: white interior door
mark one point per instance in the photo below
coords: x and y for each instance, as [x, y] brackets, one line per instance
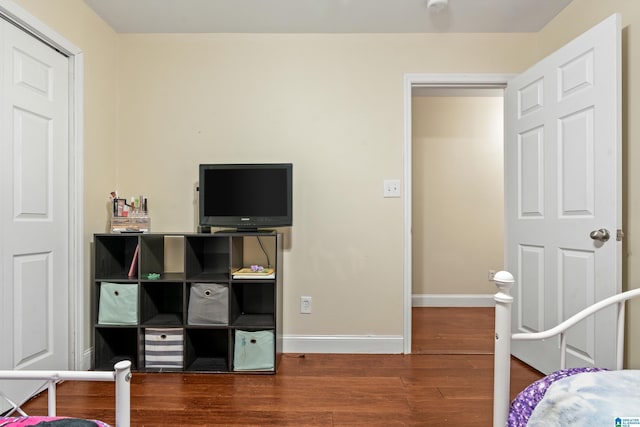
[563, 181]
[34, 218]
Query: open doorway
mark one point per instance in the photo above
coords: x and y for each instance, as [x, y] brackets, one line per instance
[454, 199]
[457, 212]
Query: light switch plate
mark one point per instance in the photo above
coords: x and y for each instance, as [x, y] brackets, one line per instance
[305, 305]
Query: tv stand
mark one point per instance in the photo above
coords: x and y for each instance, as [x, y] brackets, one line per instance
[204, 229]
[247, 231]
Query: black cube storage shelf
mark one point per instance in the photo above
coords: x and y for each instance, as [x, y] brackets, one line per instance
[163, 301]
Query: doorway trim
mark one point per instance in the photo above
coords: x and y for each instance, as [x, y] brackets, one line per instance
[18, 16]
[444, 81]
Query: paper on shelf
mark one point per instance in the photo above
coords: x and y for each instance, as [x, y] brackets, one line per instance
[248, 273]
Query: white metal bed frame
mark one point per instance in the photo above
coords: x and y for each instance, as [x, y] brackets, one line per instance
[121, 375]
[503, 336]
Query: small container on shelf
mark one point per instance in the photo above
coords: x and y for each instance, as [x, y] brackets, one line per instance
[131, 224]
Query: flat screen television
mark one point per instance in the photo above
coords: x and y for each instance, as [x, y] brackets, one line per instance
[245, 197]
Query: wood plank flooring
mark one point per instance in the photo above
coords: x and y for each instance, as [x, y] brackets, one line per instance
[318, 389]
[452, 330]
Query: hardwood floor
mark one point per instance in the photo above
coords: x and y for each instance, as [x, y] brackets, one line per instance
[316, 390]
[452, 330]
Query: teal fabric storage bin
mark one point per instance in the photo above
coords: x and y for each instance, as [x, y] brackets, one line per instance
[253, 351]
[118, 304]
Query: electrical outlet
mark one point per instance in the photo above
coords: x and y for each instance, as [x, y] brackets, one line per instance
[492, 275]
[305, 305]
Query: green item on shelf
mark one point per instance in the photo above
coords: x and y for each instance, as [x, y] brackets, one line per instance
[153, 276]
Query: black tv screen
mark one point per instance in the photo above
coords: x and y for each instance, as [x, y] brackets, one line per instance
[246, 196]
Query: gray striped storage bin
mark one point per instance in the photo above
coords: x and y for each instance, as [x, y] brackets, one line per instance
[164, 348]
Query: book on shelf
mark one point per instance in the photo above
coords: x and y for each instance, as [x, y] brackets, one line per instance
[249, 273]
[133, 269]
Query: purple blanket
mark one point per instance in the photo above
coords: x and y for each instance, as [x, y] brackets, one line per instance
[48, 422]
[525, 402]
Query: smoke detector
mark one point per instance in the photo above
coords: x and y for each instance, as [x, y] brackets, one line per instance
[437, 5]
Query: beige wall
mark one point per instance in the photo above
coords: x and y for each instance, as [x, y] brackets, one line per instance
[332, 105]
[458, 198]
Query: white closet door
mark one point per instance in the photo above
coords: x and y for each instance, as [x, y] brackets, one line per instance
[34, 213]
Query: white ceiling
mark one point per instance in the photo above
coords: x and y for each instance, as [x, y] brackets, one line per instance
[325, 16]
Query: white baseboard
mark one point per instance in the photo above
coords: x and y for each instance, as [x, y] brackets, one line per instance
[452, 300]
[378, 344]
[87, 358]
[350, 344]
